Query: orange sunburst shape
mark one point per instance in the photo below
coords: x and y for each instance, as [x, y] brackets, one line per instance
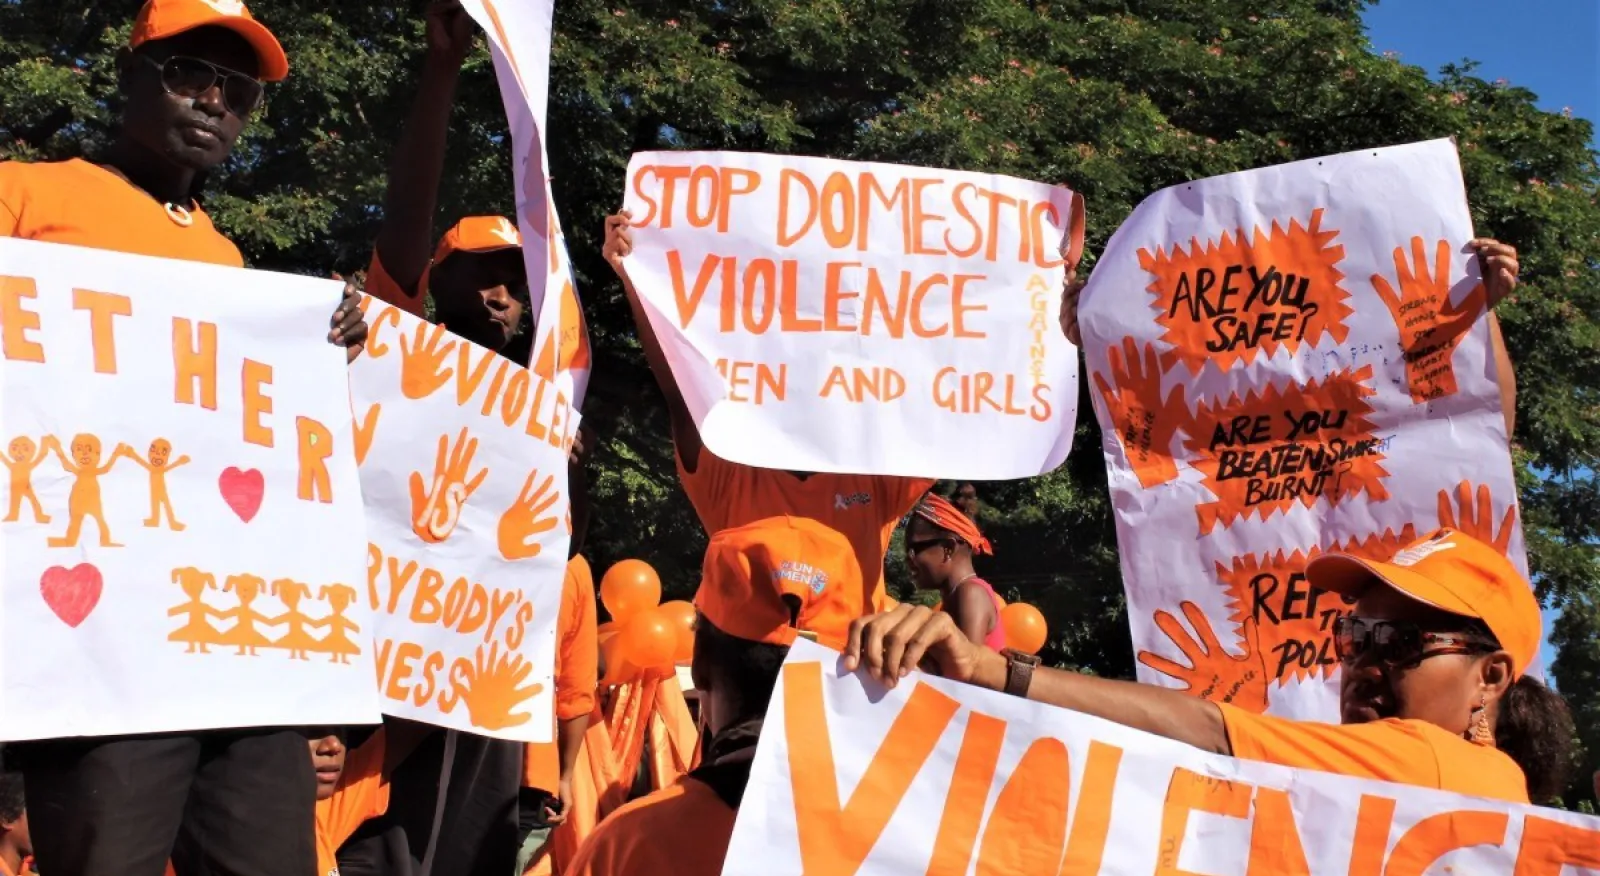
[1229, 300]
[1294, 622]
[1264, 453]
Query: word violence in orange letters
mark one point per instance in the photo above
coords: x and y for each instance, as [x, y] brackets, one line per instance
[195, 355]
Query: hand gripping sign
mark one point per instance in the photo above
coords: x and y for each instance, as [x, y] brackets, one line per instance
[182, 542]
[837, 316]
[463, 458]
[1285, 362]
[947, 779]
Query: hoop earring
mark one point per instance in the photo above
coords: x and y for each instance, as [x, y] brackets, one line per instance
[1478, 731]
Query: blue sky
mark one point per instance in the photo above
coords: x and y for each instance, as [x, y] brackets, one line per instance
[1550, 47]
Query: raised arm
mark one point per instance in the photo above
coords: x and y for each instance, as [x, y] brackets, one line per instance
[889, 646]
[1500, 269]
[405, 242]
[618, 246]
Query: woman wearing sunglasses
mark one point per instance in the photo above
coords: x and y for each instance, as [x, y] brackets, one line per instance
[940, 543]
[1434, 691]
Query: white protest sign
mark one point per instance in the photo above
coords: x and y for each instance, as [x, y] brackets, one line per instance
[183, 536]
[947, 779]
[463, 458]
[519, 40]
[1284, 362]
[844, 317]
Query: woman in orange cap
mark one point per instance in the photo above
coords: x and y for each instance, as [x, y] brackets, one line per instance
[940, 543]
[1434, 693]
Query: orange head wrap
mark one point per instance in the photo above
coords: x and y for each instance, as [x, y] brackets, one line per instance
[937, 510]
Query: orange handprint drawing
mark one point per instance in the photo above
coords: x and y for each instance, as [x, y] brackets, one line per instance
[527, 518]
[1431, 326]
[158, 464]
[1212, 674]
[1144, 423]
[84, 498]
[298, 640]
[338, 642]
[244, 633]
[422, 362]
[494, 686]
[436, 505]
[197, 634]
[23, 458]
[1477, 519]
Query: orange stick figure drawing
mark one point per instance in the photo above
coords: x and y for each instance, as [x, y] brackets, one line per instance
[22, 459]
[158, 464]
[436, 506]
[84, 498]
[337, 643]
[298, 640]
[244, 633]
[198, 634]
[528, 517]
[1212, 674]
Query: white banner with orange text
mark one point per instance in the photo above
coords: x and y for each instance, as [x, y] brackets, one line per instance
[948, 779]
[463, 457]
[1286, 362]
[519, 36]
[837, 316]
[183, 532]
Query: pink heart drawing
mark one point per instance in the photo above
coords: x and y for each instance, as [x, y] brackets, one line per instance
[71, 593]
[242, 490]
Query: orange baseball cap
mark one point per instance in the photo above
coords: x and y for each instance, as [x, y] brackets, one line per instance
[478, 234]
[1454, 572]
[750, 569]
[160, 19]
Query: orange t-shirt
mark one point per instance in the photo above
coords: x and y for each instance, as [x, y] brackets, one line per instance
[576, 671]
[83, 204]
[863, 508]
[362, 794]
[383, 287]
[1392, 750]
[682, 829]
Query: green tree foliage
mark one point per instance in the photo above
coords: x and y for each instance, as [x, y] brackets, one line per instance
[1117, 98]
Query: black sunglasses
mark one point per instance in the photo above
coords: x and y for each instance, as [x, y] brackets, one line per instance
[1404, 644]
[183, 76]
[917, 547]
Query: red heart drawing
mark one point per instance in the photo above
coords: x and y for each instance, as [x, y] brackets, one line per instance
[71, 593]
[242, 490]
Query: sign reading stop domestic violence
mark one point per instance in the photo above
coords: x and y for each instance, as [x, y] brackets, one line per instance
[837, 316]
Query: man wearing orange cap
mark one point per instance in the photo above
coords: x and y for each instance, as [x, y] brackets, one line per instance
[234, 801]
[1434, 690]
[763, 585]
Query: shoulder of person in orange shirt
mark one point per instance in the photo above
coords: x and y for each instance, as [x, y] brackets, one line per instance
[683, 829]
[362, 794]
[79, 203]
[863, 508]
[576, 670]
[1407, 752]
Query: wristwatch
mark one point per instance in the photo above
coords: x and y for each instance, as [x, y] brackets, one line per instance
[1019, 672]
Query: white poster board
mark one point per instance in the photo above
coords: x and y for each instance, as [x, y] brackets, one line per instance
[944, 778]
[183, 542]
[846, 317]
[1284, 362]
[463, 457]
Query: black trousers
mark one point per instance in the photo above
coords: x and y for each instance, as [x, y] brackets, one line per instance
[473, 802]
[217, 803]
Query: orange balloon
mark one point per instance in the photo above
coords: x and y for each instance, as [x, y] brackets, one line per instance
[618, 669]
[681, 615]
[630, 587]
[1024, 626]
[648, 640]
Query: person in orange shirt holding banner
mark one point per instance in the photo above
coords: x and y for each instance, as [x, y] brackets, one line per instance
[864, 508]
[763, 585]
[941, 541]
[1434, 692]
[237, 801]
[548, 768]
[16, 848]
